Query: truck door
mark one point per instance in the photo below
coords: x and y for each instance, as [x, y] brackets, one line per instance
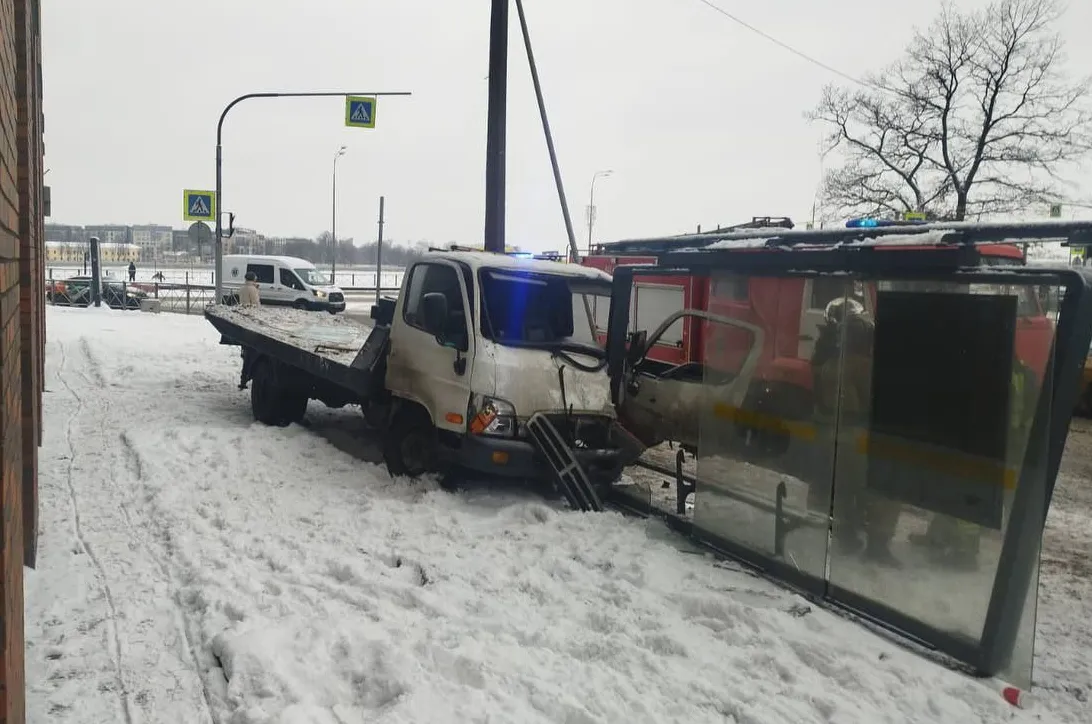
[421, 369]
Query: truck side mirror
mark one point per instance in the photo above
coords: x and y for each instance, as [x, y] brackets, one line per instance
[434, 315]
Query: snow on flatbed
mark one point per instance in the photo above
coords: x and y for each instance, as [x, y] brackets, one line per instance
[338, 338]
[197, 567]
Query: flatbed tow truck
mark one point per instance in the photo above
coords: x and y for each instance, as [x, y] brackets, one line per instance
[485, 364]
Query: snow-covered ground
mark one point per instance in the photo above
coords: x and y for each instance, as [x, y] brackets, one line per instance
[197, 567]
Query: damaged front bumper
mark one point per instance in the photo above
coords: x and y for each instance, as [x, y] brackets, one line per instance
[602, 447]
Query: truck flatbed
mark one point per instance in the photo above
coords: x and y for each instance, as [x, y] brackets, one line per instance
[336, 349]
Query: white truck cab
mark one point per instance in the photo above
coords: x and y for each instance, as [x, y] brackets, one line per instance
[480, 342]
[285, 281]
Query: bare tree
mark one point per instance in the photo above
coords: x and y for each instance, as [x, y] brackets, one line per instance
[978, 117]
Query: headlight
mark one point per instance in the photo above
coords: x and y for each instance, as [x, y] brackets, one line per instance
[319, 293]
[492, 416]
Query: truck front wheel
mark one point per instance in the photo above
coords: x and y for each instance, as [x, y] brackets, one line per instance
[409, 445]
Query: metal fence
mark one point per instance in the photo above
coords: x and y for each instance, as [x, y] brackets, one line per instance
[348, 279]
[184, 297]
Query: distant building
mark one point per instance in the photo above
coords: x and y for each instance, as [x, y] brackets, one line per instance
[110, 233]
[275, 245]
[247, 241]
[180, 240]
[154, 240]
[72, 252]
[64, 232]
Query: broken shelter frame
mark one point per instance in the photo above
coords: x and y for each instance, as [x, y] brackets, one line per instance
[991, 652]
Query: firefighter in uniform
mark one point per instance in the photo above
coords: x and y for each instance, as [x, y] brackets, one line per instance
[842, 369]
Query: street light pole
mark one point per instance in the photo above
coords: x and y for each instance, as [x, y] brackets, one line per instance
[591, 204]
[333, 218]
[219, 251]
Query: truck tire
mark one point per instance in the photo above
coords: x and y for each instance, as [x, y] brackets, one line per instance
[271, 403]
[409, 444]
[293, 406]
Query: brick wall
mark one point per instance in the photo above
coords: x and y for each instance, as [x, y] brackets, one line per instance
[22, 329]
[31, 256]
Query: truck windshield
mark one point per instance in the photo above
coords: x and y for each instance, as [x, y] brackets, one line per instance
[312, 277]
[540, 310]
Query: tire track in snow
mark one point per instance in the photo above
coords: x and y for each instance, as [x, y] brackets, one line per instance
[123, 694]
[92, 373]
[182, 623]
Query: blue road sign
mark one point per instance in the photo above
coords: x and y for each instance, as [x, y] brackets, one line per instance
[198, 205]
[360, 112]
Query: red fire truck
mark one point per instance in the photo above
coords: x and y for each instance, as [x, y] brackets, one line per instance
[789, 311]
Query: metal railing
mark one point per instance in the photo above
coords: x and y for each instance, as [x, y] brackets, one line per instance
[355, 281]
[183, 297]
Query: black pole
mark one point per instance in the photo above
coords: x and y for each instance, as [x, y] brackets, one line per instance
[96, 273]
[379, 255]
[574, 253]
[495, 129]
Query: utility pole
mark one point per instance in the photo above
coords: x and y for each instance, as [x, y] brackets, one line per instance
[96, 273]
[495, 128]
[333, 218]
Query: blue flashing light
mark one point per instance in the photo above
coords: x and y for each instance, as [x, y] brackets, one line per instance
[865, 223]
[870, 223]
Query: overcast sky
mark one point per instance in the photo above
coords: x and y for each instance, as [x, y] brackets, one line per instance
[700, 119]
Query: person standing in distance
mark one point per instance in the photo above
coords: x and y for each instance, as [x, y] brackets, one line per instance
[248, 293]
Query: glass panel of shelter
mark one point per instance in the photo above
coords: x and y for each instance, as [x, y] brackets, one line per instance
[875, 451]
[933, 427]
[653, 482]
[765, 459]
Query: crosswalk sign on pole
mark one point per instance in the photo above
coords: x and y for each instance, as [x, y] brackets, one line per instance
[198, 205]
[360, 111]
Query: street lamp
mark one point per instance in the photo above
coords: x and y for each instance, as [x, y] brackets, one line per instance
[333, 221]
[591, 204]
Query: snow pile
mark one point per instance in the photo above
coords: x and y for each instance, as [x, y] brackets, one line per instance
[197, 567]
[336, 337]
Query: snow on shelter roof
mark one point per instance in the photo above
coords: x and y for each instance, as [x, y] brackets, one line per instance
[942, 233]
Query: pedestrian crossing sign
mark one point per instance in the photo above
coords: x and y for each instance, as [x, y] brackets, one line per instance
[198, 205]
[360, 111]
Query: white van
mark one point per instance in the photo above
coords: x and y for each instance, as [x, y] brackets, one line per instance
[285, 281]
